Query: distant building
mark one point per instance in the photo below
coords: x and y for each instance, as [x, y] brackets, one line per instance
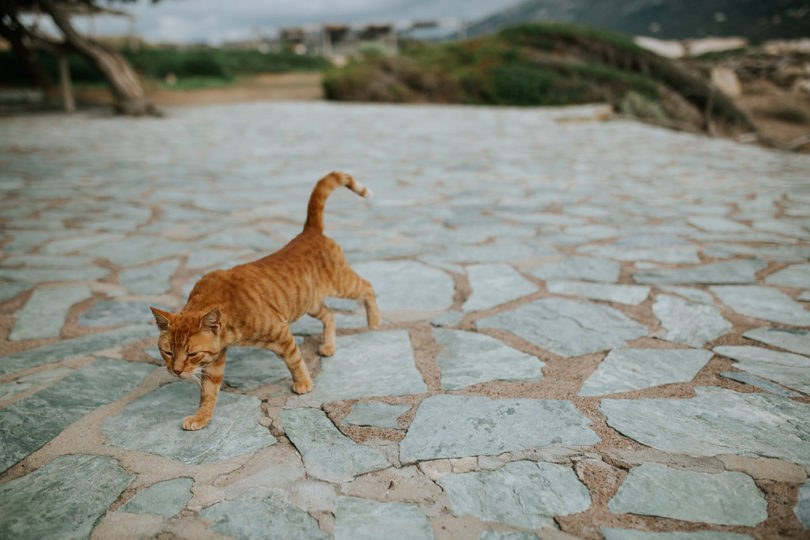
[340, 41]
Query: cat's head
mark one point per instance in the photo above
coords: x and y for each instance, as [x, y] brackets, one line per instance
[188, 341]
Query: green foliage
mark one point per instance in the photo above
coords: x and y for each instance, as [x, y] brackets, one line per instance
[156, 63]
[635, 104]
[553, 35]
[787, 113]
[531, 64]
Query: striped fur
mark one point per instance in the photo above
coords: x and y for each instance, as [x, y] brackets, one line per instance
[253, 304]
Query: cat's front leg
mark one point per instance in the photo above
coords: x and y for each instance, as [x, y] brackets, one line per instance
[209, 390]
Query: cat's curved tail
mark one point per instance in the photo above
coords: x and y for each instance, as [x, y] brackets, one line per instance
[322, 190]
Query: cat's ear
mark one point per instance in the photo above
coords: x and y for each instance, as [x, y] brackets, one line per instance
[162, 318]
[212, 320]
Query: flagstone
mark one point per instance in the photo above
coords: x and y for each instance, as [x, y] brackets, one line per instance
[797, 341]
[469, 358]
[137, 250]
[522, 493]
[363, 519]
[61, 500]
[689, 323]
[408, 285]
[375, 414]
[631, 534]
[70, 348]
[791, 370]
[747, 378]
[797, 275]
[621, 294]
[44, 275]
[9, 390]
[449, 426]
[578, 268]
[624, 370]
[695, 295]
[328, 454]
[149, 280]
[165, 498]
[118, 312]
[28, 424]
[763, 303]
[145, 425]
[802, 508]
[567, 327]
[736, 271]
[495, 284]
[716, 421]
[10, 290]
[369, 364]
[47, 261]
[726, 498]
[251, 516]
[718, 224]
[675, 255]
[496, 252]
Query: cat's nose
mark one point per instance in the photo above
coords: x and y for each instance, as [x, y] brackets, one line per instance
[177, 371]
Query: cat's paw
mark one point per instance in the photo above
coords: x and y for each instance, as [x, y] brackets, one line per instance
[302, 387]
[193, 423]
[326, 350]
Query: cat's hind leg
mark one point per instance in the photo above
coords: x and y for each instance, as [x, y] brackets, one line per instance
[325, 315]
[353, 286]
[283, 344]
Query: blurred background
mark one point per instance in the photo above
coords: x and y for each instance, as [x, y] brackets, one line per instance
[727, 67]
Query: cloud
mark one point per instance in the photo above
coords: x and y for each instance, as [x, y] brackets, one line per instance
[215, 21]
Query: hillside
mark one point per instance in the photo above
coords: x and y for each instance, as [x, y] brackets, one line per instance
[673, 19]
[542, 64]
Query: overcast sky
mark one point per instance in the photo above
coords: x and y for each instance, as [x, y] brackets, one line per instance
[215, 21]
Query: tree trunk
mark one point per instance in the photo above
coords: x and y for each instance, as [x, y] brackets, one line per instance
[128, 95]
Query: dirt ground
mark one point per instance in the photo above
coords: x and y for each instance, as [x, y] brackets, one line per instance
[760, 97]
[264, 87]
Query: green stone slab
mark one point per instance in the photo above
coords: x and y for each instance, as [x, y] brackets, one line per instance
[165, 498]
[448, 426]
[568, 327]
[62, 500]
[70, 348]
[716, 421]
[469, 358]
[328, 454]
[523, 493]
[28, 424]
[727, 498]
[362, 519]
[153, 424]
[253, 517]
[629, 534]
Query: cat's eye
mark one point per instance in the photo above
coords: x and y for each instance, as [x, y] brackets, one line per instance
[167, 353]
[192, 355]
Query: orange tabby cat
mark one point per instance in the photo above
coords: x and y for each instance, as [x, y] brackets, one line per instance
[253, 304]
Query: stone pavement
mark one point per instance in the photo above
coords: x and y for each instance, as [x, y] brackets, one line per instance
[591, 329]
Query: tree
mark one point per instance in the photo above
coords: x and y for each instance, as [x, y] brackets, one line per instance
[127, 91]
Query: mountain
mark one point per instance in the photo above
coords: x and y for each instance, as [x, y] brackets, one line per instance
[757, 20]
